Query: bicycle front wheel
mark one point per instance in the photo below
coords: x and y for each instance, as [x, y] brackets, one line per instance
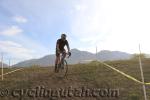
[63, 70]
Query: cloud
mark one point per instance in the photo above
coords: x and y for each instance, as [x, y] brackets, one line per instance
[10, 43]
[11, 31]
[80, 7]
[22, 48]
[113, 25]
[20, 19]
[92, 21]
[15, 50]
[130, 26]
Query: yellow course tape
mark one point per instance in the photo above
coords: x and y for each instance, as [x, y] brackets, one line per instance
[11, 72]
[124, 74]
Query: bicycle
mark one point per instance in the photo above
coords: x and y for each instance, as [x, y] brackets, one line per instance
[62, 67]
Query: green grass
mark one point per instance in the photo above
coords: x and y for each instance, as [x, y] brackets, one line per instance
[92, 75]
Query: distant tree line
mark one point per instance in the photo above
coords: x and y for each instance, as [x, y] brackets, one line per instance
[136, 56]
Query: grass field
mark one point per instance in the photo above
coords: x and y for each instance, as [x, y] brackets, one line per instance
[92, 76]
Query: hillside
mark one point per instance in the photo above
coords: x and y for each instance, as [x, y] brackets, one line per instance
[93, 75]
[4, 65]
[77, 57]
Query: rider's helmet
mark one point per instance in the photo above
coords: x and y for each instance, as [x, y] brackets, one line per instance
[63, 36]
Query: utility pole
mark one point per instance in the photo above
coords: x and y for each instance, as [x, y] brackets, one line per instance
[2, 65]
[142, 76]
[9, 63]
[96, 53]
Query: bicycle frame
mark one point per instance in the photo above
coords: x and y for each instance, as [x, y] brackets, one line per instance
[61, 58]
[62, 64]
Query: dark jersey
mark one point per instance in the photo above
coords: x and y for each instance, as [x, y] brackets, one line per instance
[61, 44]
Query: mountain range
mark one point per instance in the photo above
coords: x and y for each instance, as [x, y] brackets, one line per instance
[4, 65]
[77, 57]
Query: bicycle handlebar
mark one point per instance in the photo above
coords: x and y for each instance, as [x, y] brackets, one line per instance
[68, 53]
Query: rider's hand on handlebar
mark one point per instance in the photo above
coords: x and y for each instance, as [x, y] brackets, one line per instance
[69, 53]
[58, 51]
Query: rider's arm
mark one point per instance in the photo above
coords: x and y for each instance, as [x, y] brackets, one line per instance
[57, 46]
[68, 47]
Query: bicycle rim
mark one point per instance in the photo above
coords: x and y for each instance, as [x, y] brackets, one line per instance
[65, 68]
[63, 72]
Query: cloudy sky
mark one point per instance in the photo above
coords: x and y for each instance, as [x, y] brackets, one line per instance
[30, 28]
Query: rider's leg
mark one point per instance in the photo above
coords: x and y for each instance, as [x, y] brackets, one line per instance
[64, 55]
[56, 61]
[56, 64]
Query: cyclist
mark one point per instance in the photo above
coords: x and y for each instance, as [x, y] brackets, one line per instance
[61, 43]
